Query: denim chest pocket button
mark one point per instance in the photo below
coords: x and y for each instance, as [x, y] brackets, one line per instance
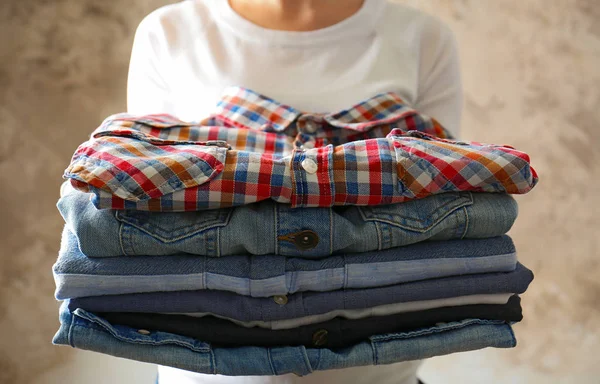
[418, 215]
[303, 240]
[171, 227]
[306, 240]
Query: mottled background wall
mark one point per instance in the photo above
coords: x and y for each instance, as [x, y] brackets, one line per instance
[532, 79]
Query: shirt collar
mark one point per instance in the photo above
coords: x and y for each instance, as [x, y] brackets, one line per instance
[244, 108]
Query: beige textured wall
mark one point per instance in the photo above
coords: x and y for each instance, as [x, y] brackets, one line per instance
[532, 79]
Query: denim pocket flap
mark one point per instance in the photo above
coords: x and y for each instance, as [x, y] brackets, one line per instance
[418, 215]
[170, 227]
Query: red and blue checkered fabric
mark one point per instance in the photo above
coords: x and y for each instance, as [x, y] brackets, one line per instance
[378, 152]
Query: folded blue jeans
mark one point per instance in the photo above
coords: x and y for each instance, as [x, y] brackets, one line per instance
[277, 229]
[84, 330]
[262, 276]
[302, 304]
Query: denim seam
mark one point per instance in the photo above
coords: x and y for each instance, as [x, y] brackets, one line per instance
[276, 228]
[293, 280]
[318, 365]
[466, 223]
[217, 242]
[375, 351]
[331, 229]
[209, 244]
[126, 241]
[71, 330]
[121, 239]
[270, 358]
[214, 243]
[379, 236]
[306, 360]
[513, 336]
[120, 235]
[204, 283]
[213, 362]
[346, 266]
[437, 329]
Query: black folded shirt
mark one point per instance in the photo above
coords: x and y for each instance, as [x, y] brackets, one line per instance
[335, 333]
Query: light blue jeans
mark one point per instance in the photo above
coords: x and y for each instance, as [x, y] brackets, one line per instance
[84, 330]
[267, 228]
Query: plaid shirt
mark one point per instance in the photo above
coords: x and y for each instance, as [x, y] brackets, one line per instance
[252, 148]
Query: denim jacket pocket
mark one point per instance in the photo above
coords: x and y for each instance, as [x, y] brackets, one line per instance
[171, 227]
[417, 215]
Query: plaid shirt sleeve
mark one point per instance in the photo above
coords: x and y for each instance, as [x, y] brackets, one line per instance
[128, 173]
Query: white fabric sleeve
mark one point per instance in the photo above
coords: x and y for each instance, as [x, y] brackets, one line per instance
[440, 93]
[147, 90]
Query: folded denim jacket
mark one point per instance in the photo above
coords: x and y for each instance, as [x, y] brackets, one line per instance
[278, 229]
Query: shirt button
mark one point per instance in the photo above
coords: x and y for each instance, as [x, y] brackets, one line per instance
[319, 338]
[309, 144]
[309, 166]
[306, 240]
[143, 331]
[280, 299]
[310, 126]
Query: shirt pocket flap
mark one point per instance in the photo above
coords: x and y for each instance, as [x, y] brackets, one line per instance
[146, 158]
[428, 165]
[418, 215]
[172, 227]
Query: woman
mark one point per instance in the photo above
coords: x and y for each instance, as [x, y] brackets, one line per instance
[314, 55]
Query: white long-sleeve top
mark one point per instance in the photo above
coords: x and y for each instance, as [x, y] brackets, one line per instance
[184, 55]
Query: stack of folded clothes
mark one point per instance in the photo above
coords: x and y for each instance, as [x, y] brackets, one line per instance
[265, 241]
